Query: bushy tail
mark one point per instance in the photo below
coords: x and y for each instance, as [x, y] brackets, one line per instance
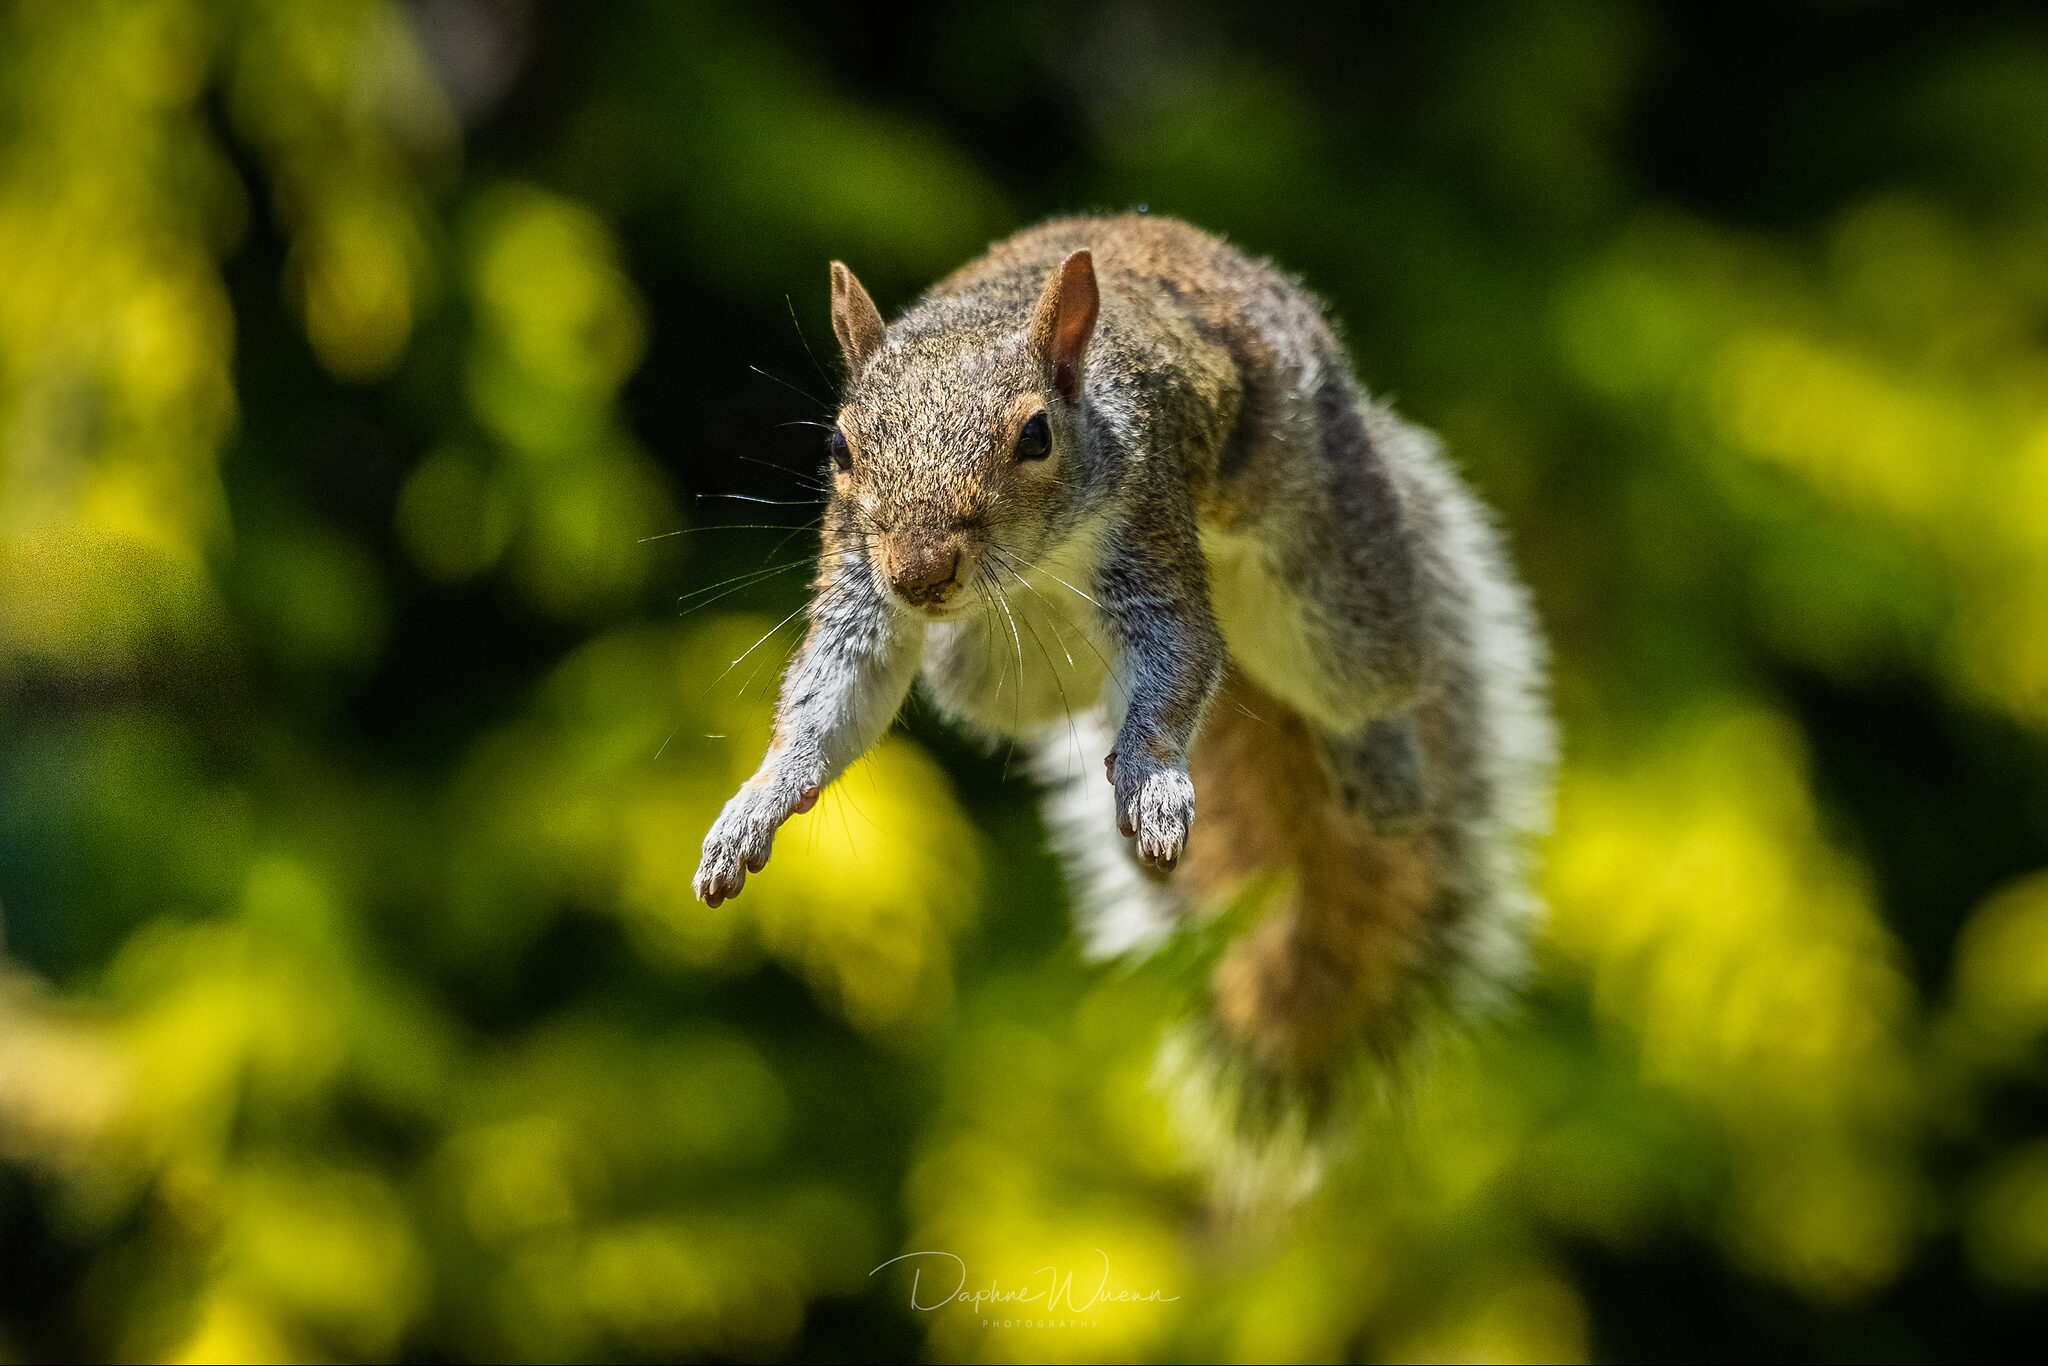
[1354, 938]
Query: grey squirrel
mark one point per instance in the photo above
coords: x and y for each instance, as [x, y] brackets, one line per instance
[1113, 490]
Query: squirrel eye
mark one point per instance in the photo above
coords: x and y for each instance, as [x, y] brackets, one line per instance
[842, 454]
[1035, 441]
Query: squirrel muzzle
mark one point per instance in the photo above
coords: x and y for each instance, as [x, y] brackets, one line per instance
[924, 572]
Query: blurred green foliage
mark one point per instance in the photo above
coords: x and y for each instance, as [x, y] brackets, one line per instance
[379, 633]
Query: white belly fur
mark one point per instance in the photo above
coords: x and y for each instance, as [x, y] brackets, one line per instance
[973, 664]
[1264, 626]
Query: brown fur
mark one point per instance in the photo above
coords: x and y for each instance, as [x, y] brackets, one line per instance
[1333, 960]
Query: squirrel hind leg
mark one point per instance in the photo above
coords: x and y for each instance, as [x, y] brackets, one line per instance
[1380, 772]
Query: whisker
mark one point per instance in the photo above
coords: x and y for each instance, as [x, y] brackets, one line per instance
[1058, 635]
[794, 532]
[722, 526]
[770, 502]
[1066, 703]
[1071, 589]
[663, 747]
[1252, 714]
[787, 656]
[743, 574]
[1109, 671]
[759, 643]
[1056, 579]
[809, 481]
[789, 304]
[736, 584]
[1017, 703]
[793, 388]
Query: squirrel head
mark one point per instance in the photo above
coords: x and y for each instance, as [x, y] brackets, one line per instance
[956, 452]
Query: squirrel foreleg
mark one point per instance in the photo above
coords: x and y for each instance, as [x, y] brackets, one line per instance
[1154, 591]
[840, 694]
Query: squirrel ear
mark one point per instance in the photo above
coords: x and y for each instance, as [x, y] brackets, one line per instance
[1066, 320]
[855, 319]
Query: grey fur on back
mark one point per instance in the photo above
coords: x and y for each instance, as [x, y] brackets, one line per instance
[1212, 505]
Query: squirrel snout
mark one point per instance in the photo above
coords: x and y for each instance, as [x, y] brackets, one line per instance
[923, 574]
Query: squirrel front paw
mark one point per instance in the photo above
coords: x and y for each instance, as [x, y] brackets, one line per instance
[1155, 803]
[743, 836]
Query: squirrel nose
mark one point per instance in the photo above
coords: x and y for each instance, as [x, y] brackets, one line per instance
[921, 575]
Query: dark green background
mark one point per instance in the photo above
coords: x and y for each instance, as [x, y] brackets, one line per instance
[330, 819]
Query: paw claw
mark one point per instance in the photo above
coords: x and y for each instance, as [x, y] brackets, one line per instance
[1156, 805]
[743, 837]
[716, 890]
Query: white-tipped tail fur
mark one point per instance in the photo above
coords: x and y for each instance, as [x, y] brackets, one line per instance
[1122, 910]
